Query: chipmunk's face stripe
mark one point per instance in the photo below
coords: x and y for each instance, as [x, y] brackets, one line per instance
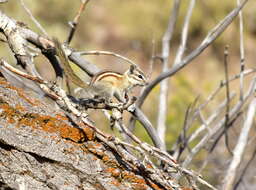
[137, 77]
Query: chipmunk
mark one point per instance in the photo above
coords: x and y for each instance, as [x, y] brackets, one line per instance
[105, 84]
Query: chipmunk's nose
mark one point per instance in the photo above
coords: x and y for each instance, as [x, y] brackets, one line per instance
[146, 83]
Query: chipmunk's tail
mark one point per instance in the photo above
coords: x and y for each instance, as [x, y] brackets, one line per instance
[69, 73]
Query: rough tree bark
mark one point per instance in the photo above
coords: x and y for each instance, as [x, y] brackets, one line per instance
[41, 149]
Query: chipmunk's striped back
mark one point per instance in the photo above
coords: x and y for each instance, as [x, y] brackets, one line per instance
[101, 76]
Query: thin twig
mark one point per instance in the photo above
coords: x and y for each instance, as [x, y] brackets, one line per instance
[165, 157]
[210, 120]
[228, 98]
[74, 23]
[182, 141]
[42, 83]
[106, 53]
[223, 131]
[184, 35]
[217, 110]
[244, 170]
[240, 147]
[20, 73]
[218, 126]
[152, 59]
[242, 55]
[221, 85]
[33, 18]
[211, 98]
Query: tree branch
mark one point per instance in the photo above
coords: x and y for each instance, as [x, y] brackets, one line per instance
[240, 147]
[209, 39]
[163, 95]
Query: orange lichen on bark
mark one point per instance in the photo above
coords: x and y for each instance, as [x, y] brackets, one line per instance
[115, 172]
[106, 158]
[98, 186]
[20, 93]
[131, 177]
[139, 187]
[96, 149]
[138, 183]
[19, 107]
[52, 125]
[47, 123]
[186, 188]
[8, 113]
[149, 166]
[115, 183]
[61, 117]
[154, 186]
[90, 134]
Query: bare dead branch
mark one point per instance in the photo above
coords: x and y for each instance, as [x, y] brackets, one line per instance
[140, 116]
[16, 41]
[3, 1]
[47, 45]
[18, 72]
[220, 107]
[163, 95]
[221, 85]
[152, 59]
[184, 34]
[164, 156]
[219, 125]
[132, 120]
[182, 141]
[240, 178]
[75, 22]
[242, 56]
[106, 53]
[228, 98]
[212, 35]
[215, 140]
[206, 123]
[38, 25]
[240, 147]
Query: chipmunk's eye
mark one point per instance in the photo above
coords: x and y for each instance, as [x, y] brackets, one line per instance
[140, 76]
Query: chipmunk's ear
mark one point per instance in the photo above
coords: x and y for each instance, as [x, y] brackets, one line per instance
[132, 67]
